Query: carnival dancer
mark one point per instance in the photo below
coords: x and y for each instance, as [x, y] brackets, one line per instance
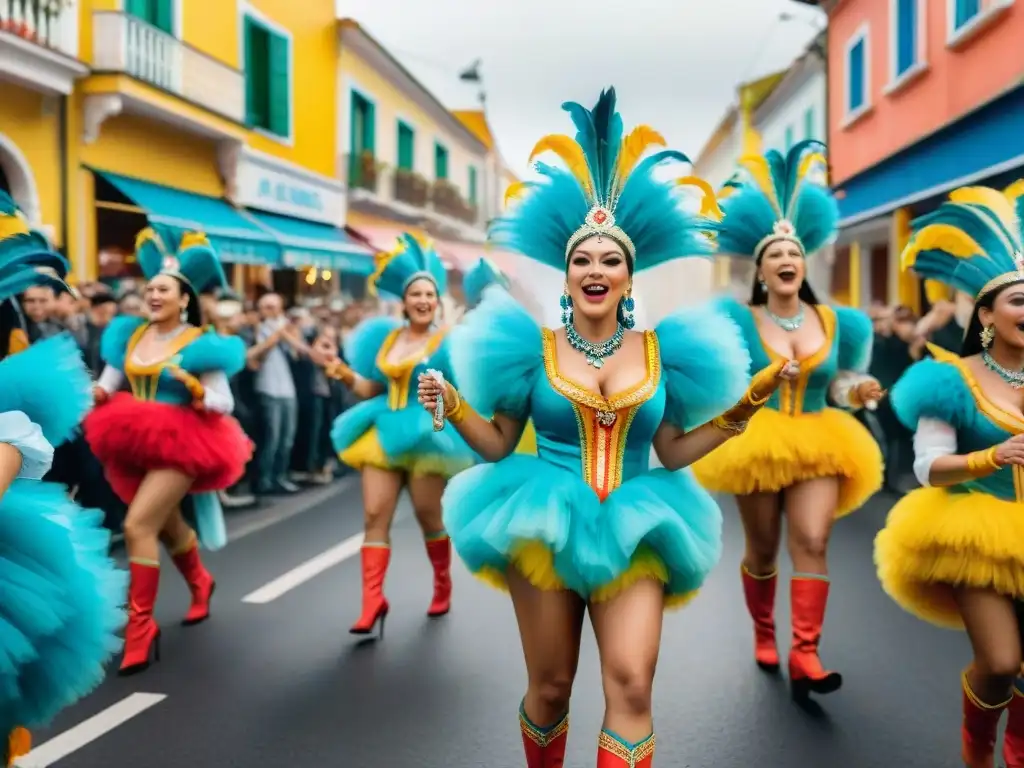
[798, 456]
[586, 525]
[170, 442]
[474, 282]
[387, 437]
[61, 596]
[952, 552]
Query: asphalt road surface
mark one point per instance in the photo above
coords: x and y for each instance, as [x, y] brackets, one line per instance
[274, 678]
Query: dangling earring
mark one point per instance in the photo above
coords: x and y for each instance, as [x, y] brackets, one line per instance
[183, 315]
[763, 284]
[987, 335]
[628, 305]
[565, 301]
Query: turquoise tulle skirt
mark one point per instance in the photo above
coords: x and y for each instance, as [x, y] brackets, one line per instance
[371, 434]
[547, 523]
[61, 600]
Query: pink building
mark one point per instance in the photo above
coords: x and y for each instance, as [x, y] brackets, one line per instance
[924, 96]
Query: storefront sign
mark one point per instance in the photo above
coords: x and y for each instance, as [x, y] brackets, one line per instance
[270, 185]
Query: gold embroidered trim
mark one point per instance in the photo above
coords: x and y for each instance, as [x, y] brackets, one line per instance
[399, 374]
[632, 757]
[543, 738]
[791, 393]
[145, 379]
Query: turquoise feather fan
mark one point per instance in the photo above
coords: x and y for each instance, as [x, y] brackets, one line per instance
[607, 168]
[480, 277]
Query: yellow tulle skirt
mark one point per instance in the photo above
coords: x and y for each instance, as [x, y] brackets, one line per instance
[778, 451]
[367, 452]
[935, 540]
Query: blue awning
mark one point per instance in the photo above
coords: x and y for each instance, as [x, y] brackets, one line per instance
[236, 238]
[310, 244]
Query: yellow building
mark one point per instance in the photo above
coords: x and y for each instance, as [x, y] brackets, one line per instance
[209, 115]
[39, 65]
[410, 164]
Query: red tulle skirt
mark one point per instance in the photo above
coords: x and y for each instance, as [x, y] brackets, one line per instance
[131, 437]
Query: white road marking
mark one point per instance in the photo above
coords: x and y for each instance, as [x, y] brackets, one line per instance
[310, 569]
[73, 739]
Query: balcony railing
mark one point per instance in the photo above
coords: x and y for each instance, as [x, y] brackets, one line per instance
[125, 44]
[50, 23]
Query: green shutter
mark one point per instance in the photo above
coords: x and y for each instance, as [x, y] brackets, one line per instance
[250, 72]
[406, 147]
[440, 162]
[472, 185]
[809, 123]
[163, 15]
[280, 86]
[137, 8]
[370, 128]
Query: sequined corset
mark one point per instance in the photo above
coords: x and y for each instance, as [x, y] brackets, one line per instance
[607, 439]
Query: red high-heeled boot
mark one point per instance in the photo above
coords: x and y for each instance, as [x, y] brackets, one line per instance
[200, 584]
[613, 752]
[1013, 738]
[142, 635]
[375, 560]
[808, 597]
[439, 551]
[759, 593]
[544, 747]
[978, 732]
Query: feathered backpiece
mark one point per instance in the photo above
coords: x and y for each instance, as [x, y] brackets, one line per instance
[26, 257]
[193, 261]
[606, 188]
[408, 262]
[972, 242]
[777, 197]
[474, 282]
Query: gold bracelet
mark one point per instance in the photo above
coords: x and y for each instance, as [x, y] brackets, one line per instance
[457, 412]
[755, 401]
[982, 463]
[733, 427]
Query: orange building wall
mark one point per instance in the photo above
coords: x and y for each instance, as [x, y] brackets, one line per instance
[955, 83]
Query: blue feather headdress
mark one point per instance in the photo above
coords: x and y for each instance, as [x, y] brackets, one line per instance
[973, 242]
[408, 262]
[606, 189]
[194, 261]
[478, 278]
[26, 257]
[775, 197]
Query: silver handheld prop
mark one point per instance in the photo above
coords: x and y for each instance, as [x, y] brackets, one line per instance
[439, 404]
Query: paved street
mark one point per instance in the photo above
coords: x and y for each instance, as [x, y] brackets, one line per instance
[274, 678]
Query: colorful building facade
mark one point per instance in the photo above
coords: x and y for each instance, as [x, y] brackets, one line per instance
[924, 96]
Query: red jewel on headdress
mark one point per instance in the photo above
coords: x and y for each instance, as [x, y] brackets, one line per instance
[170, 264]
[600, 217]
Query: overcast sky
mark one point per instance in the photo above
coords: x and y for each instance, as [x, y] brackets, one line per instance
[675, 64]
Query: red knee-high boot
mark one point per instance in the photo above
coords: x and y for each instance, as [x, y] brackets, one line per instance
[808, 598]
[978, 733]
[19, 744]
[544, 747]
[759, 593]
[375, 560]
[439, 550]
[614, 752]
[200, 583]
[1013, 739]
[142, 635]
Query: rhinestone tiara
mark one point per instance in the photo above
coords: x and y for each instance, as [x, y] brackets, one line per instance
[600, 222]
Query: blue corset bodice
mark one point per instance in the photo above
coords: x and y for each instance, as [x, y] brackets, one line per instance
[981, 434]
[606, 439]
[401, 377]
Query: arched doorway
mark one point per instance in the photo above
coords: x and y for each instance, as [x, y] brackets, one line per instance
[17, 180]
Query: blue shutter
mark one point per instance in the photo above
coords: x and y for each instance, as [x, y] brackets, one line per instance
[280, 86]
[855, 73]
[965, 11]
[906, 35]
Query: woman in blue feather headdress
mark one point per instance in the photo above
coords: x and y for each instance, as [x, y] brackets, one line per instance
[586, 524]
[387, 437]
[952, 552]
[61, 596]
[170, 443]
[799, 455]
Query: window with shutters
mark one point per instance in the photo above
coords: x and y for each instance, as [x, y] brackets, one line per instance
[440, 162]
[472, 185]
[268, 94]
[406, 147]
[156, 13]
[965, 11]
[858, 74]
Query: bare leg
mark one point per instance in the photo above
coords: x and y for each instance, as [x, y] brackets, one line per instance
[628, 631]
[991, 624]
[811, 512]
[550, 624]
[426, 492]
[762, 527]
[381, 488]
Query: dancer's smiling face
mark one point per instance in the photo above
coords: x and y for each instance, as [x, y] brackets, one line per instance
[782, 268]
[1007, 316]
[598, 276]
[165, 298]
[420, 303]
